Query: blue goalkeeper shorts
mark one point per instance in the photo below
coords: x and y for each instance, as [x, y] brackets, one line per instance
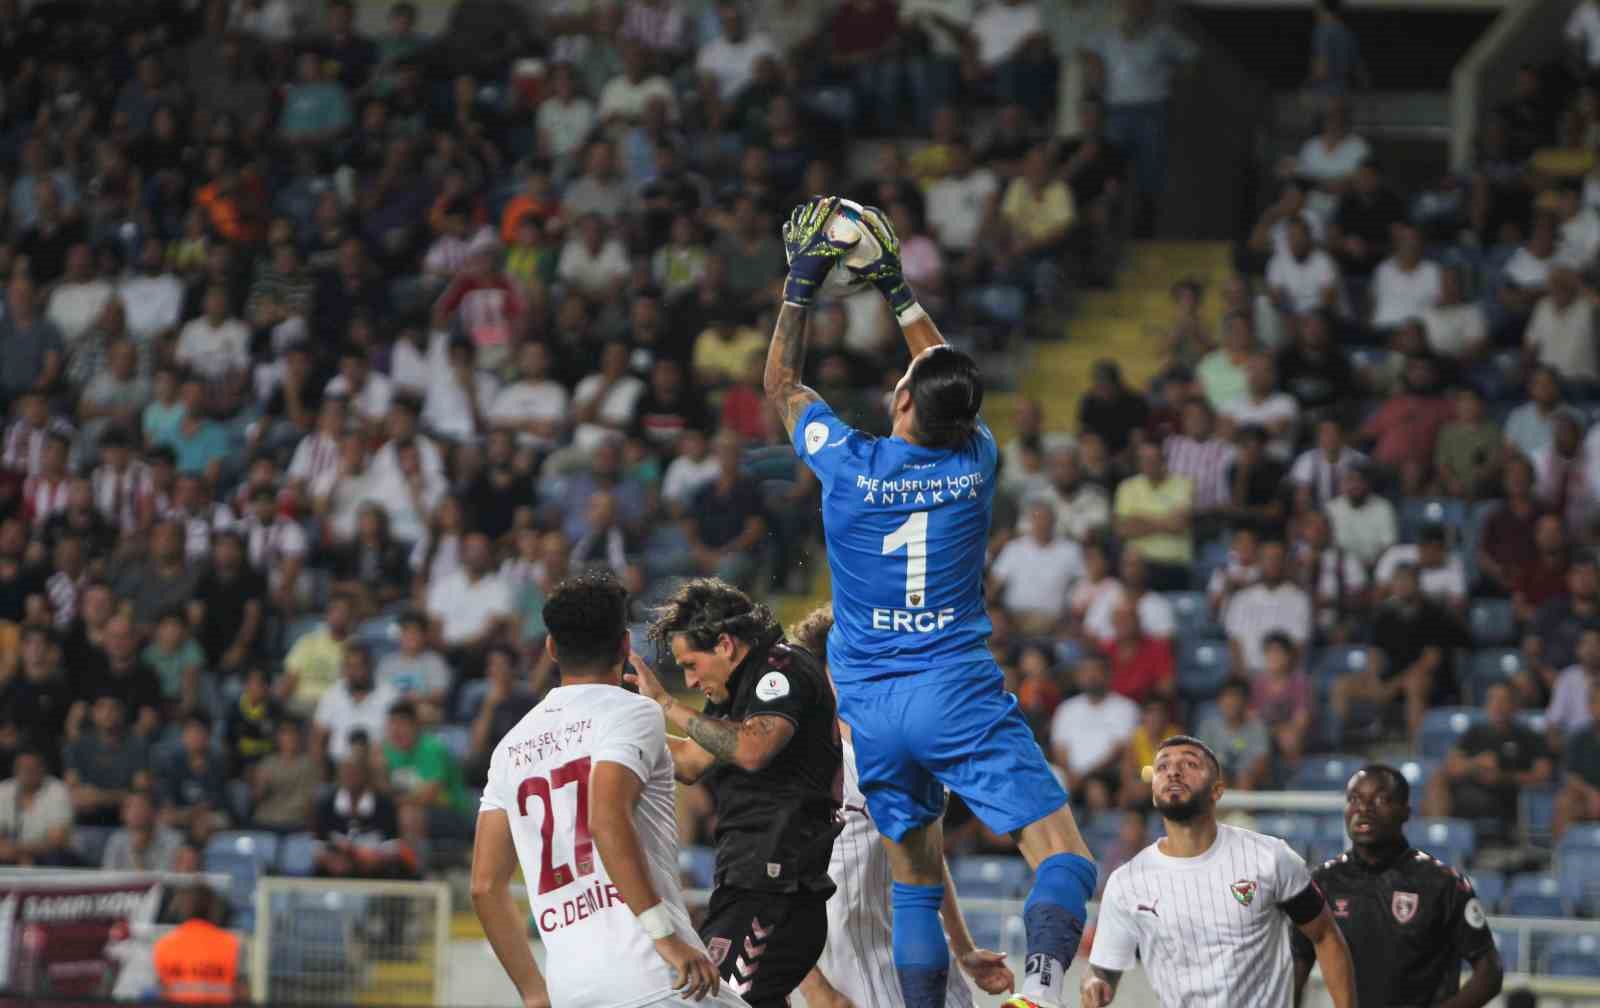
[916, 735]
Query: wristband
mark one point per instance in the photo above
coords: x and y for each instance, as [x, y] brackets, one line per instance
[911, 313]
[657, 923]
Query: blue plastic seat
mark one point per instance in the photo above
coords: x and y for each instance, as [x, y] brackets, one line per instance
[1442, 726]
[1537, 813]
[1296, 829]
[1490, 887]
[1415, 512]
[1490, 666]
[1578, 868]
[991, 877]
[1534, 896]
[698, 866]
[1453, 841]
[1417, 772]
[1339, 661]
[297, 855]
[1575, 955]
[1492, 622]
[1192, 614]
[91, 843]
[1582, 837]
[1326, 773]
[1203, 666]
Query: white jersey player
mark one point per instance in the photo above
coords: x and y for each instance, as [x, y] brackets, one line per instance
[580, 794]
[1208, 908]
[857, 964]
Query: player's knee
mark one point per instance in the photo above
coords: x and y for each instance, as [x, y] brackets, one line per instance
[917, 858]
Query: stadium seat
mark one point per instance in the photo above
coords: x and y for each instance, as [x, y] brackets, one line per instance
[1492, 622]
[1534, 896]
[1573, 955]
[1297, 830]
[1416, 512]
[1537, 813]
[1582, 837]
[1441, 726]
[243, 856]
[90, 842]
[991, 877]
[1490, 887]
[1416, 772]
[1510, 946]
[1453, 841]
[1489, 666]
[1192, 613]
[1203, 666]
[1326, 773]
[1337, 661]
[698, 866]
[297, 855]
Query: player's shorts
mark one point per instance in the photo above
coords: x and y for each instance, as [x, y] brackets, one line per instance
[917, 735]
[763, 944]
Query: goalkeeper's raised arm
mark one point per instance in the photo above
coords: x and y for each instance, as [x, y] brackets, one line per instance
[885, 274]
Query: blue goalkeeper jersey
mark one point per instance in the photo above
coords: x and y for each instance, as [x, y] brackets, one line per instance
[907, 528]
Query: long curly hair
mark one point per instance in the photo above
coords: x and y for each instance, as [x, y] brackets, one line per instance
[704, 609]
[812, 631]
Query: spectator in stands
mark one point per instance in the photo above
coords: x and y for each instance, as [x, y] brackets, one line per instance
[1568, 712]
[1318, 473]
[415, 672]
[1561, 333]
[1440, 572]
[1222, 372]
[1089, 732]
[34, 352]
[38, 696]
[534, 407]
[1490, 766]
[1404, 432]
[1363, 226]
[1457, 328]
[1525, 278]
[251, 725]
[105, 763]
[1153, 516]
[1202, 456]
[35, 815]
[426, 782]
[1564, 483]
[194, 781]
[1273, 604]
[227, 607]
[1303, 278]
[359, 828]
[1330, 160]
[727, 520]
[1255, 483]
[1405, 285]
[1155, 726]
[118, 670]
[1531, 426]
[1414, 640]
[284, 785]
[1551, 643]
[353, 709]
[1470, 450]
[1037, 213]
[1111, 410]
[1543, 577]
[1240, 569]
[1315, 371]
[313, 664]
[1238, 737]
[1363, 522]
[1283, 697]
[1033, 575]
[1082, 507]
[177, 660]
[1140, 666]
[1578, 800]
[143, 842]
[470, 608]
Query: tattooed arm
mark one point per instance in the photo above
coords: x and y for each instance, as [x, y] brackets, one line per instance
[749, 744]
[785, 360]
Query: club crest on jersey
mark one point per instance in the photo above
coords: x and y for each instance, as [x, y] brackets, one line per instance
[816, 436]
[773, 686]
[1341, 908]
[1404, 905]
[1244, 891]
[717, 950]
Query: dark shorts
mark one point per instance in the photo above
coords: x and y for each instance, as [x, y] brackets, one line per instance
[764, 944]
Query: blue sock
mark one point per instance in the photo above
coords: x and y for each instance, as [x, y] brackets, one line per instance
[921, 957]
[1053, 916]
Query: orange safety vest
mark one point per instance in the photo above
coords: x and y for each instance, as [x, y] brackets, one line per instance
[197, 963]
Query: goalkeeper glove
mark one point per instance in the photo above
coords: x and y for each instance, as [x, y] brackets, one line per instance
[884, 272]
[809, 249]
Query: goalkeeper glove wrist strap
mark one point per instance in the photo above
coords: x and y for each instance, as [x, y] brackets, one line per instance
[910, 313]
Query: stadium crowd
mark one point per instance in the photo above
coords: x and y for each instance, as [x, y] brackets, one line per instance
[326, 356]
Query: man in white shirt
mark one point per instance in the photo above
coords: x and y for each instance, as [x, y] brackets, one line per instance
[1331, 159]
[35, 814]
[591, 263]
[1207, 909]
[1363, 523]
[603, 402]
[151, 297]
[1089, 732]
[630, 941]
[1579, 241]
[78, 299]
[1275, 412]
[1318, 474]
[1034, 573]
[623, 99]
[1583, 32]
[1456, 328]
[1561, 334]
[962, 202]
[692, 468]
[1440, 572]
[214, 346]
[458, 395]
[469, 607]
[1155, 612]
[1405, 285]
[356, 703]
[369, 395]
[1306, 278]
[730, 59]
[1274, 604]
[534, 407]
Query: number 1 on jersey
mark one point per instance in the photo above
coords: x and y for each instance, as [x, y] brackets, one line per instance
[913, 535]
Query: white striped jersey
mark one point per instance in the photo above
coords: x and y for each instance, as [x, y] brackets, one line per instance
[1209, 930]
[859, 957]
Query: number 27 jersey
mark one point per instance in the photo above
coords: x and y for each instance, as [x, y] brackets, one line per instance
[906, 528]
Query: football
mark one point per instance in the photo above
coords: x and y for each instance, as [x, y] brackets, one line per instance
[845, 226]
